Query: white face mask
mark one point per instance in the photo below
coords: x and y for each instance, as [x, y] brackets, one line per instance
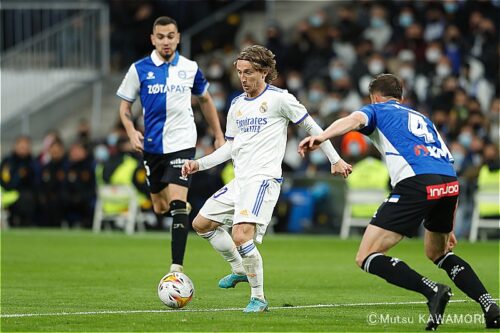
[432, 55]
[294, 83]
[330, 105]
[407, 73]
[443, 70]
[375, 67]
[215, 71]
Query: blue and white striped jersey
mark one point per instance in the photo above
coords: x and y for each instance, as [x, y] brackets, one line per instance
[408, 141]
[165, 92]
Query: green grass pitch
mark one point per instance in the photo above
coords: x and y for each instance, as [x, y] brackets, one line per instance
[81, 281]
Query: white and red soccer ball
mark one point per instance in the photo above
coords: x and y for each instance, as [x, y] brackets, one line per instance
[175, 290]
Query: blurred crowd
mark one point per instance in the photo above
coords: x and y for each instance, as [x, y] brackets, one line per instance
[447, 53]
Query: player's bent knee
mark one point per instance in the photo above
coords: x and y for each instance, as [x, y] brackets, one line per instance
[178, 207]
[434, 254]
[201, 224]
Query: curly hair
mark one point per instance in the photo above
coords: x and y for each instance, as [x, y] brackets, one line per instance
[262, 59]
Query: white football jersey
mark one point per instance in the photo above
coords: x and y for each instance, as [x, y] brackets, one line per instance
[258, 127]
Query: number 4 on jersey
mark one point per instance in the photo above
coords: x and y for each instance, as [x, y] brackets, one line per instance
[418, 127]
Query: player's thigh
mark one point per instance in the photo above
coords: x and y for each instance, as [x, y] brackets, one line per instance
[176, 192]
[255, 204]
[219, 208]
[376, 239]
[155, 165]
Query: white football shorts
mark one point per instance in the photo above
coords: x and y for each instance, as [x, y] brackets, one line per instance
[237, 202]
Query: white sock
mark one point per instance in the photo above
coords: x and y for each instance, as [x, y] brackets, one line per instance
[222, 242]
[252, 261]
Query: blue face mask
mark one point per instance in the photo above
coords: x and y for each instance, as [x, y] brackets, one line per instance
[317, 157]
[354, 148]
[336, 73]
[112, 139]
[316, 21]
[101, 153]
[465, 140]
[377, 22]
[405, 20]
[332, 105]
[219, 104]
[459, 159]
[315, 96]
[450, 7]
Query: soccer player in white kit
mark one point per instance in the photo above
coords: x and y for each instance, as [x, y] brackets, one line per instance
[256, 135]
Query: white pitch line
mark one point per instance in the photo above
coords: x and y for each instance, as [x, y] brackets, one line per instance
[339, 305]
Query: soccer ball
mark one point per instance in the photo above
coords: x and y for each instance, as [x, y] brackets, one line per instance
[175, 290]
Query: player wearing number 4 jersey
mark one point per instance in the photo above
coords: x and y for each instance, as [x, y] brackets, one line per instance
[425, 188]
[256, 131]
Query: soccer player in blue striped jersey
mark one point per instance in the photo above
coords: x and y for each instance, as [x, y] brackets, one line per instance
[256, 134]
[165, 81]
[425, 189]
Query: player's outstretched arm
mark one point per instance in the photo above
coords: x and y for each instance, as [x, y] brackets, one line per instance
[219, 156]
[210, 113]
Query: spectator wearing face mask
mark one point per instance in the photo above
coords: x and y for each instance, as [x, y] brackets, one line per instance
[473, 81]
[413, 41]
[19, 173]
[375, 65]
[379, 30]
[434, 23]
[80, 186]
[315, 95]
[52, 186]
[453, 47]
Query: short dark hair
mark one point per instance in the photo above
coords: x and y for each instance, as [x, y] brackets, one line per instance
[165, 20]
[261, 59]
[387, 85]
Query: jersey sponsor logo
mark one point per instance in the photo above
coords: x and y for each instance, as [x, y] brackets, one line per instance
[158, 88]
[442, 190]
[150, 76]
[263, 107]
[431, 151]
[253, 124]
[182, 74]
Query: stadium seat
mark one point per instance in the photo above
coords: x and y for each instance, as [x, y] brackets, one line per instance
[8, 198]
[486, 213]
[366, 190]
[118, 203]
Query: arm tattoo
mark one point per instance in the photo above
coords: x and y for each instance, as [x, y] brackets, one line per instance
[128, 114]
